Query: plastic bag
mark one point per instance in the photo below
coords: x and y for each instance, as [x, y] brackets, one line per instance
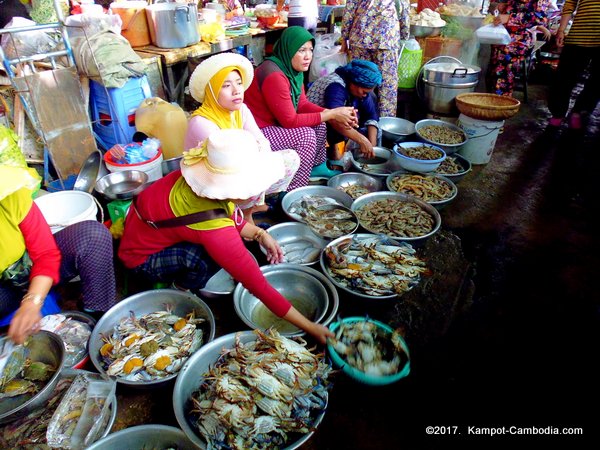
[493, 34]
[212, 32]
[325, 65]
[27, 43]
[10, 153]
[82, 412]
[93, 23]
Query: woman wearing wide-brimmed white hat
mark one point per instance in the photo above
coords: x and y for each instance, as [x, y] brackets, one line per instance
[219, 83]
[186, 225]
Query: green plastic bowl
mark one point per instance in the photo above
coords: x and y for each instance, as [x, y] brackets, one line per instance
[358, 375]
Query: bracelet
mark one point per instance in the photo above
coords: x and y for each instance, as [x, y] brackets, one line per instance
[36, 299]
[259, 234]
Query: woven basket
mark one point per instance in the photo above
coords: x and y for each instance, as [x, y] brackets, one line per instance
[487, 106]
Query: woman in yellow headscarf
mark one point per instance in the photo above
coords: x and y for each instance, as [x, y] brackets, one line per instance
[219, 83]
[32, 259]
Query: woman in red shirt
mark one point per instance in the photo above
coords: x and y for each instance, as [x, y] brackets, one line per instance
[288, 120]
[160, 244]
[32, 259]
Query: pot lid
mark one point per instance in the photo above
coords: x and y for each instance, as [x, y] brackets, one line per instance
[450, 67]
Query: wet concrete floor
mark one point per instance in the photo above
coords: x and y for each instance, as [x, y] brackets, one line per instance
[506, 330]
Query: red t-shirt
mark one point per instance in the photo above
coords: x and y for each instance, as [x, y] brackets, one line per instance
[224, 245]
[272, 104]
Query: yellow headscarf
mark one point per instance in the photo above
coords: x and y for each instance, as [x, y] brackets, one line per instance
[211, 109]
[16, 186]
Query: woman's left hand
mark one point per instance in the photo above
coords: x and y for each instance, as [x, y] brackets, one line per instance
[545, 32]
[25, 322]
[274, 251]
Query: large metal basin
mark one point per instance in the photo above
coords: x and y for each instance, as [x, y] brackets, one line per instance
[144, 303]
[144, 437]
[190, 378]
[45, 347]
[302, 288]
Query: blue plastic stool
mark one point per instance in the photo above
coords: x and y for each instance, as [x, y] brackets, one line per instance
[50, 307]
[113, 110]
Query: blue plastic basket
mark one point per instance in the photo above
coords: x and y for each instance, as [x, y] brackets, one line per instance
[50, 307]
[358, 375]
[113, 110]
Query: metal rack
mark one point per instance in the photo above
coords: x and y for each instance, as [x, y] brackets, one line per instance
[52, 98]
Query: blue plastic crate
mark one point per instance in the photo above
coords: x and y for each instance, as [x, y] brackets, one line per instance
[113, 110]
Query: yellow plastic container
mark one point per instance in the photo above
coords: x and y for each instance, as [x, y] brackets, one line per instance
[135, 25]
[164, 121]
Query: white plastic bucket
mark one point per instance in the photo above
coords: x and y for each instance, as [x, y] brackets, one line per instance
[482, 138]
[64, 208]
[152, 167]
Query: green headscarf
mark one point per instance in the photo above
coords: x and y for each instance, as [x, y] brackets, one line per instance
[284, 50]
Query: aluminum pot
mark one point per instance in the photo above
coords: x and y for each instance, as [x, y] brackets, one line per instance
[173, 25]
[441, 82]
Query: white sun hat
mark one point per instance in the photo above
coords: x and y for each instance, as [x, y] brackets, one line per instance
[231, 166]
[210, 66]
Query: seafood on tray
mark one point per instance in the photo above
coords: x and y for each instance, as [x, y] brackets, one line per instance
[369, 348]
[396, 218]
[301, 207]
[151, 346]
[354, 190]
[301, 251]
[449, 166]
[424, 187]
[257, 394]
[374, 265]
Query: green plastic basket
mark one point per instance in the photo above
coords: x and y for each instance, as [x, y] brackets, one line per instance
[356, 374]
[408, 68]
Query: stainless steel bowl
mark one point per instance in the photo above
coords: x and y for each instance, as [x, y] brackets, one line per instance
[384, 163]
[365, 199]
[45, 347]
[438, 204]
[190, 379]
[92, 169]
[463, 162]
[315, 191]
[122, 185]
[305, 291]
[171, 165]
[330, 277]
[144, 303]
[448, 148]
[290, 233]
[424, 31]
[396, 129]
[144, 437]
[344, 180]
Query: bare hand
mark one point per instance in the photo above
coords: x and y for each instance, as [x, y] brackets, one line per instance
[274, 252]
[560, 38]
[545, 32]
[25, 322]
[366, 149]
[346, 116]
[320, 333]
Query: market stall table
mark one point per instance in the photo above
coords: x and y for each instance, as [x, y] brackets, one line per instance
[329, 13]
[174, 60]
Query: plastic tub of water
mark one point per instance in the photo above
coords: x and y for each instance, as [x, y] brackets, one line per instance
[64, 208]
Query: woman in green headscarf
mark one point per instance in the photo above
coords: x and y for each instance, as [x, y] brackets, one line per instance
[288, 120]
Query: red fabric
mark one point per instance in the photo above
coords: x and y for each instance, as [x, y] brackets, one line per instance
[224, 245]
[276, 108]
[40, 245]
